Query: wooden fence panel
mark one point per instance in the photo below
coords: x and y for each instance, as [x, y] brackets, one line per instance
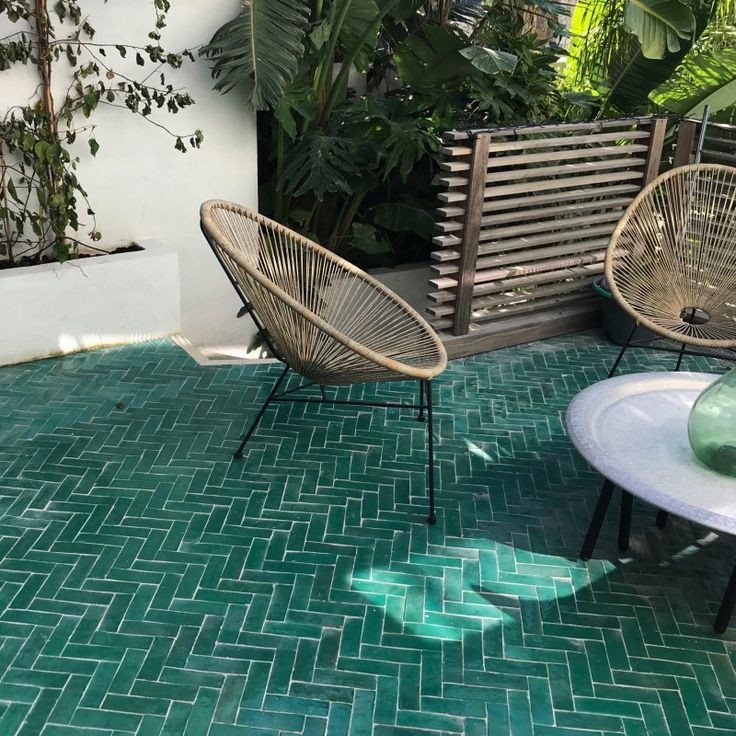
[719, 146]
[525, 218]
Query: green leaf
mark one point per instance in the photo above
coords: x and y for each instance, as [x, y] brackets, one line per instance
[365, 239]
[702, 79]
[659, 25]
[361, 15]
[490, 61]
[94, 146]
[40, 150]
[299, 97]
[261, 48]
[399, 217]
[319, 164]
[433, 58]
[320, 34]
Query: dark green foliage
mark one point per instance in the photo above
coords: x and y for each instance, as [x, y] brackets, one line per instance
[354, 169]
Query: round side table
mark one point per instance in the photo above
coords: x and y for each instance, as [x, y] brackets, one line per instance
[633, 430]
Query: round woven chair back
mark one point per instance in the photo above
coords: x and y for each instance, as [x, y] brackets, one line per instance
[327, 319]
[671, 262]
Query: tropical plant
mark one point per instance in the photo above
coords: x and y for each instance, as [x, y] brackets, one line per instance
[638, 55]
[354, 93]
[43, 204]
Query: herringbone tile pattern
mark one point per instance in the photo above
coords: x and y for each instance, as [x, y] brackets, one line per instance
[149, 585]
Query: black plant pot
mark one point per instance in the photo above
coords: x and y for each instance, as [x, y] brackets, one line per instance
[615, 322]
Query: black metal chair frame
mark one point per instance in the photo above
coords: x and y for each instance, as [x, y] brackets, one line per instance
[425, 394]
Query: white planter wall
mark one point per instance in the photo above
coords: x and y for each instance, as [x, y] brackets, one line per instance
[89, 303]
[139, 186]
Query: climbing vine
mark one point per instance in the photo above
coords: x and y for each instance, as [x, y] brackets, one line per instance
[44, 208]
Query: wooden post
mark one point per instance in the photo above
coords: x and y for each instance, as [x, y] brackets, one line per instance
[685, 143]
[654, 155]
[471, 232]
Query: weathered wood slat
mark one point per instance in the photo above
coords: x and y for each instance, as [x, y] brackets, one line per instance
[456, 151]
[566, 155]
[520, 256]
[570, 289]
[568, 142]
[717, 157]
[577, 287]
[564, 183]
[565, 223]
[574, 195]
[560, 236]
[464, 135]
[452, 181]
[455, 166]
[546, 277]
[656, 143]
[536, 305]
[720, 144]
[566, 169]
[471, 232]
[524, 269]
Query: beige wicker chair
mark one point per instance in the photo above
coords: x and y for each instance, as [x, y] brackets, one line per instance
[321, 316]
[671, 262]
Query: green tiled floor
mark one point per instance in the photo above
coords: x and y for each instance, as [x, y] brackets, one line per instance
[149, 585]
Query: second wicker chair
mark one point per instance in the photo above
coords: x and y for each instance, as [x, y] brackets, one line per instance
[671, 262]
[321, 316]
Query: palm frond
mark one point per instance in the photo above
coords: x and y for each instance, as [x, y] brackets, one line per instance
[260, 48]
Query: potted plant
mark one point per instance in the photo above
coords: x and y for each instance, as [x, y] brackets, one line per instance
[61, 297]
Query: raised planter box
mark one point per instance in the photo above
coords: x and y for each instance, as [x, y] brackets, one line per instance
[59, 308]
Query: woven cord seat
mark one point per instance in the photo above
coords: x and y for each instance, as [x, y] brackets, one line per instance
[671, 262]
[321, 316]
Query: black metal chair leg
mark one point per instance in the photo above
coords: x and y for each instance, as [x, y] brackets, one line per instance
[662, 519]
[679, 357]
[623, 351]
[723, 617]
[432, 517]
[420, 417]
[322, 392]
[596, 521]
[624, 522]
[259, 416]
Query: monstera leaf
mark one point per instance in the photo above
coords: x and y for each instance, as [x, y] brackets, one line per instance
[703, 79]
[261, 48]
[442, 55]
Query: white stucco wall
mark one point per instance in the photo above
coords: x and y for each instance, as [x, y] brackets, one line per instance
[139, 186]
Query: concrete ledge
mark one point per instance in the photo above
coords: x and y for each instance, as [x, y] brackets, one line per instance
[59, 308]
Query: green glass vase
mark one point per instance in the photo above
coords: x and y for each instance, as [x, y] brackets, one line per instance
[711, 427]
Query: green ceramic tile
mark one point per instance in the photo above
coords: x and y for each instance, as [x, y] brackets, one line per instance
[151, 586]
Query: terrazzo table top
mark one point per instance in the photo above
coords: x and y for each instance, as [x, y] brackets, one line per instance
[633, 430]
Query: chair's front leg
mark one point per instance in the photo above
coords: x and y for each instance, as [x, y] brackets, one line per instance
[624, 348]
[259, 416]
[420, 418]
[432, 517]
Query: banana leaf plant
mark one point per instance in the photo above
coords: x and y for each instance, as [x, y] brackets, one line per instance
[352, 96]
[635, 56]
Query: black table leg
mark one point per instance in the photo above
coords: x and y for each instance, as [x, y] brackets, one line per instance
[624, 523]
[662, 518]
[727, 604]
[596, 522]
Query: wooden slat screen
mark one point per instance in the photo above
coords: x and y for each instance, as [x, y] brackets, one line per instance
[526, 215]
[719, 146]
